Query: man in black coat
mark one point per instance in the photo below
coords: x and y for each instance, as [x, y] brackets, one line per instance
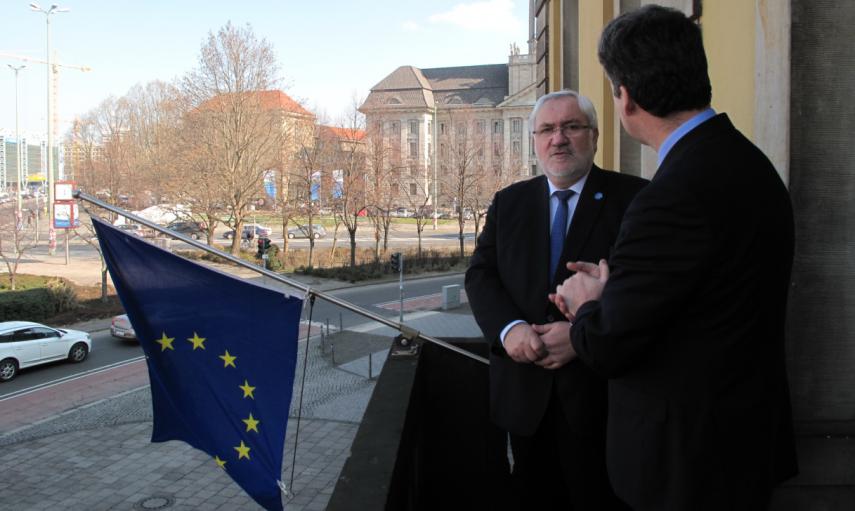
[687, 316]
[556, 416]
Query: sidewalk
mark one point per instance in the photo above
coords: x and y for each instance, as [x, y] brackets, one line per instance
[97, 454]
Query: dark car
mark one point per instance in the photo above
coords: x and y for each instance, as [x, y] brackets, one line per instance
[193, 230]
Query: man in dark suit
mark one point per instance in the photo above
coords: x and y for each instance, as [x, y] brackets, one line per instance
[687, 317]
[555, 417]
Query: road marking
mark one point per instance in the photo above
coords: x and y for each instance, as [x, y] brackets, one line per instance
[49, 384]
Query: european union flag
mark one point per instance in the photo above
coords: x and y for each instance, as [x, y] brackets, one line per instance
[221, 355]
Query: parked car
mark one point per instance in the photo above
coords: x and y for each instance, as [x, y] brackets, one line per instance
[137, 229]
[25, 344]
[121, 327]
[302, 231]
[401, 213]
[194, 230]
[250, 231]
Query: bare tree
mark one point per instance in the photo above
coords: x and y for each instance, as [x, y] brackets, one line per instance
[418, 202]
[491, 181]
[307, 179]
[383, 169]
[86, 232]
[349, 172]
[15, 240]
[108, 125]
[461, 159]
[233, 130]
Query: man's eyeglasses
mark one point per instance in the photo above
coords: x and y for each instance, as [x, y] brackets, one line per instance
[568, 130]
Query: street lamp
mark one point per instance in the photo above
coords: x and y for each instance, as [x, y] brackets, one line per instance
[47, 12]
[20, 172]
[433, 158]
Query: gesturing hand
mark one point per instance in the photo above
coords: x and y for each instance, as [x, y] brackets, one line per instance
[586, 285]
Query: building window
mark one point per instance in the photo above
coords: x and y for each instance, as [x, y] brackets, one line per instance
[498, 127]
[442, 128]
[461, 129]
[515, 148]
[395, 130]
[497, 149]
[414, 149]
[516, 126]
[394, 188]
[413, 189]
[414, 127]
[481, 127]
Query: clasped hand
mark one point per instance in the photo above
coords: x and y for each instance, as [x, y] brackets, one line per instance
[545, 345]
[549, 345]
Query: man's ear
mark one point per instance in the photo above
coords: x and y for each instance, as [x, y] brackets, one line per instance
[625, 103]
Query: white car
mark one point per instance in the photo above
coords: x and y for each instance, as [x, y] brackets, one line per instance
[121, 327]
[25, 344]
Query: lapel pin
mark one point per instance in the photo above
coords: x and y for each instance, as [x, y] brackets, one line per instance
[598, 196]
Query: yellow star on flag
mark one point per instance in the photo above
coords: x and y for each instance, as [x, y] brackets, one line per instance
[165, 342]
[247, 390]
[251, 423]
[243, 450]
[228, 360]
[198, 342]
[220, 463]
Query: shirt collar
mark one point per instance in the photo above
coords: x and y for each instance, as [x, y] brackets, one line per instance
[680, 132]
[576, 187]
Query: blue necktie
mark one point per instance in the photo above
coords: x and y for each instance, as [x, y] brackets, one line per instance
[559, 230]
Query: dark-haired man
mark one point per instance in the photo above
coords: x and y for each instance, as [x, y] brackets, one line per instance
[687, 316]
[556, 413]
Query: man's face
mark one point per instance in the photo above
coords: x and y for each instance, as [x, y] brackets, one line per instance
[564, 155]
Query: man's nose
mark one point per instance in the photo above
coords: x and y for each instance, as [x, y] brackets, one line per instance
[558, 137]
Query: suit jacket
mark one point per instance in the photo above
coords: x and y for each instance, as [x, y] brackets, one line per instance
[508, 279]
[690, 330]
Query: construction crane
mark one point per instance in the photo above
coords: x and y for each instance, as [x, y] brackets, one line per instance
[54, 78]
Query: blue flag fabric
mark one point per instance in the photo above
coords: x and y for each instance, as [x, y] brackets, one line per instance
[221, 356]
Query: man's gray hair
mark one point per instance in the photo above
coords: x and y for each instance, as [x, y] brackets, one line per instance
[585, 105]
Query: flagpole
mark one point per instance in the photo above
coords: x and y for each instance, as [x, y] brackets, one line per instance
[405, 330]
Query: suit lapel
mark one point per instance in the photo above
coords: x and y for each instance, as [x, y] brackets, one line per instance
[587, 211]
[539, 223]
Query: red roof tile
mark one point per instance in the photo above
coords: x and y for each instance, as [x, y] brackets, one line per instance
[343, 133]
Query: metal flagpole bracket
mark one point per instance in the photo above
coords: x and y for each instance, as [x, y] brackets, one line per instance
[405, 344]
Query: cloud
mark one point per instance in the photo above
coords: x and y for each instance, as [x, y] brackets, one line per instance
[411, 26]
[486, 16]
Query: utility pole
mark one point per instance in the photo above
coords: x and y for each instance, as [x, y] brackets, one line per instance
[433, 161]
[50, 178]
[19, 152]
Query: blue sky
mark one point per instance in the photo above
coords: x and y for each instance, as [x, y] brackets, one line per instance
[327, 50]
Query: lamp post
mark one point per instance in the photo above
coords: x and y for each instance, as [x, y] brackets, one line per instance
[19, 152]
[54, 8]
[433, 157]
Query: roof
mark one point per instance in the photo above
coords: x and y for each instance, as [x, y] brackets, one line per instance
[347, 134]
[268, 99]
[409, 87]
[276, 99]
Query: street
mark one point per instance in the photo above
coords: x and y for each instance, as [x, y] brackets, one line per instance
[109, 352]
